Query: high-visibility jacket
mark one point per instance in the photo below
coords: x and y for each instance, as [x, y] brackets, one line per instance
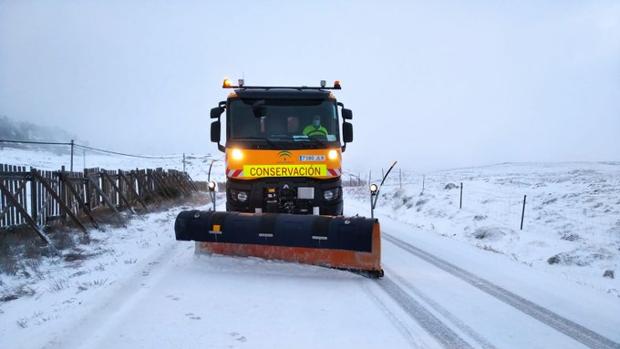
[311, 130]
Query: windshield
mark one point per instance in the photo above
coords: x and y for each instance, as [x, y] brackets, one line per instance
[299, 121]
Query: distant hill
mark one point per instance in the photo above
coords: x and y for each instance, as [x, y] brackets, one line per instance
[27, 131]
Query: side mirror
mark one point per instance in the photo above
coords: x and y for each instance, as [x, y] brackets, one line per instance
[347, 132]
[217, 112]
[216, 127]
[347, 114]
[215, 131]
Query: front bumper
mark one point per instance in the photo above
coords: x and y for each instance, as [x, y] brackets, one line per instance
[280, 195]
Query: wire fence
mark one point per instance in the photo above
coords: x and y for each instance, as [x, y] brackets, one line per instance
[468, 194]
[513, 196]
[105, 151]
[72, 146]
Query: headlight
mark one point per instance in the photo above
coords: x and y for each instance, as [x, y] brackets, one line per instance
[330, 194]
[242, 196]
[236, 154]
[332, 154]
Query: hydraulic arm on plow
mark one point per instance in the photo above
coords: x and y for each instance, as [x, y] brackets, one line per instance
[283, 151]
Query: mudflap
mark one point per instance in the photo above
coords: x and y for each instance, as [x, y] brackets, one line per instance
[349, 243]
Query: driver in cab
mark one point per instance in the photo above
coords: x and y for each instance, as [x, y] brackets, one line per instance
[315, 128]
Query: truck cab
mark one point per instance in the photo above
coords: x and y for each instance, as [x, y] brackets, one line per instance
[283, 148]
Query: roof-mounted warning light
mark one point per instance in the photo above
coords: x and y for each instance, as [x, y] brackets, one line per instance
[241, 84]
[227, 83]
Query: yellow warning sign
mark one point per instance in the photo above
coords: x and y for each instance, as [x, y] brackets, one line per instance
[258, 171]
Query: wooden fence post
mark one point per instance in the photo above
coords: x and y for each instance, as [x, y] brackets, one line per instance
[80, 202]
[161, 185]
[175, 178]
[190, 181]
[144, 186]
[61, 193]
[13, 200]
[106, 200]
[120, 194]
[33, 199]
[59, 199]
[132, 190]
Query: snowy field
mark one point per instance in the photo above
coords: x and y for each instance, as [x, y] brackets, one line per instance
[571, 224]
[455, 278]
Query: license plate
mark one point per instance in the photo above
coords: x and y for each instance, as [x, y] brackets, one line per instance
[305, 193]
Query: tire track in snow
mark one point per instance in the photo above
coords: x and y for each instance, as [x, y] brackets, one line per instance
[572, 329]
[484, 343]
[429, 322]
[398, 323]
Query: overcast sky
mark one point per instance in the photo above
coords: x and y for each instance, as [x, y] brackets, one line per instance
[433, 84]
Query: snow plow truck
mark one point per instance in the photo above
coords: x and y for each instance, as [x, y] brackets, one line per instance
[283, 156]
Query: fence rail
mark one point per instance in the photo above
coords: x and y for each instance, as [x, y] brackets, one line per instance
[37, 198]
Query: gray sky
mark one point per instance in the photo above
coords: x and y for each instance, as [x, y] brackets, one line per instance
[432, 84]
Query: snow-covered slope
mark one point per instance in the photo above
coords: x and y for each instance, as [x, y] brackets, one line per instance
[572, 214]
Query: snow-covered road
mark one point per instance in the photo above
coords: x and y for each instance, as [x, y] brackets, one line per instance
[437, 292]
[190, 301]
[486, 315]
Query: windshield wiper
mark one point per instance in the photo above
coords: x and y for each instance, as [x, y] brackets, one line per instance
[307, 142]
[252, 138]
[318, 141]
[280, 141]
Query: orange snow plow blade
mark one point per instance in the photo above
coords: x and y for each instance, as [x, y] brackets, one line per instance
[351, 243]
